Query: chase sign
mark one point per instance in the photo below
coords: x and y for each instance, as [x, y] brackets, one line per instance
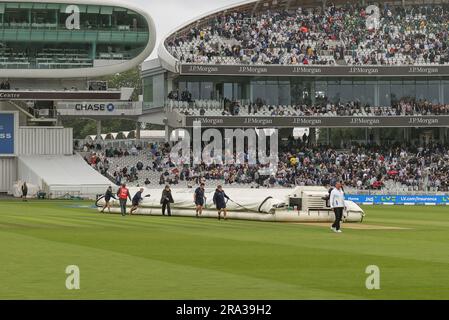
[100, 109]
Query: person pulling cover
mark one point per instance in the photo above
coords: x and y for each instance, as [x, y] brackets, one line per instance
[123, 195]
[136, 201]
[220, 202]
[24, 191]
[107, 199]
[198, 198]
[166, 199]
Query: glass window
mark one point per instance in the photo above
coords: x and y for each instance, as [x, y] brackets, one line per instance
[284, 93]
[182, 86]
[363, 92]
[433, 93]
[397, 91]
[384, 94]
[148, 89]
[26, 5]
[207, 90]
[421, 90]
[446, 91]
[320, 91]
[347, 92]
[333, 92]
[227, 91]
[93, 9]
[41, 6]
[258, 91]
[54, 6]
[194, 89]
[237, 94]
[106, 10]
[81, 7]
[12, 5]
[409, 89]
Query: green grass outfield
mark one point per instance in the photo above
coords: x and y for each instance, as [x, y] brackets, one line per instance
[187, 258]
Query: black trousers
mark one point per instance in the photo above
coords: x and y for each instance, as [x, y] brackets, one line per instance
[166, 205]
[338, 216]
[123, 206]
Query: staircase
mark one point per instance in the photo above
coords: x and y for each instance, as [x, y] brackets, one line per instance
[34, 116]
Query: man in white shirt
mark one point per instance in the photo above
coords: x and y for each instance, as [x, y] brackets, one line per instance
[337, 202]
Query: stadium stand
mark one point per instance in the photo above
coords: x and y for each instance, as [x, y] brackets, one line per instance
[388, 169]
[405, 107]
[414, 35]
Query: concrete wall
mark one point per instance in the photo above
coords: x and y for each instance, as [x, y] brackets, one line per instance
[8, 174]
[45, 141]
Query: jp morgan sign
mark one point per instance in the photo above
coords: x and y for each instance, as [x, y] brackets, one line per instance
[313, 70]
[203, 69]
[318, 122]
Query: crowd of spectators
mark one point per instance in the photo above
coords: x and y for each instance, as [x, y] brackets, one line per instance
[404, 107]
[361, 167]
[184, 96]
[5, 85]
[102, 161]
[403, 35]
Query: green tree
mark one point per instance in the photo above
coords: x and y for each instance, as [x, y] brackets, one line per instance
[127, 79]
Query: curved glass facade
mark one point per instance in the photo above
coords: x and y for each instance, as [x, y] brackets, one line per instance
[65, 36]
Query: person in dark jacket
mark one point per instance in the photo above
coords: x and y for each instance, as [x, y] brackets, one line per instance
[199, 198]
[220, 202]
[136, 201]
[107, 199]
[24, 191]
[166, 199]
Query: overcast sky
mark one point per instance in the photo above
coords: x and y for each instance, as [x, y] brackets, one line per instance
[169, 14]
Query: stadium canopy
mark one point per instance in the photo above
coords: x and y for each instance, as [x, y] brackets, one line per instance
[144, 135]
[54, 175]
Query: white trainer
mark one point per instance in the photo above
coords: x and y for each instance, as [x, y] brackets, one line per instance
[339, 231]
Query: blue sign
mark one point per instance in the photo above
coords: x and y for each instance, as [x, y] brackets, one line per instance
[399, 199]
[6, 133]
[110, 107]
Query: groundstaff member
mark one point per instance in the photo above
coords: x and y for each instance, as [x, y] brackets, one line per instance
[220, 202]
[107, 199]
[24, 191]
[198, 198]
[123, 196]
[166, 199]
[337, 202]
[136, 200]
